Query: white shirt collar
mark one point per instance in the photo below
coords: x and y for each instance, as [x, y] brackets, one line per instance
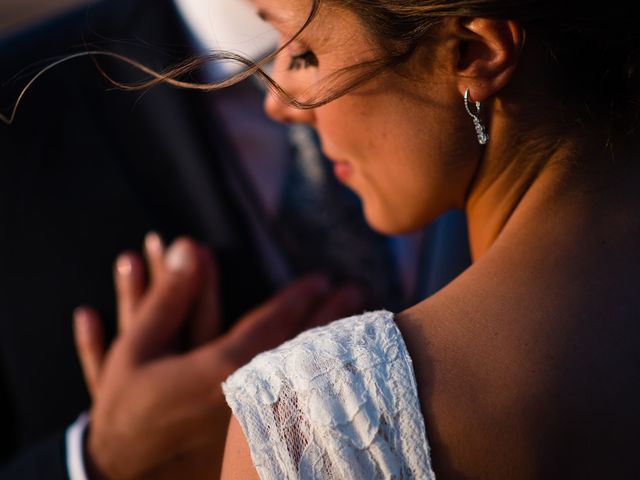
[230, 25]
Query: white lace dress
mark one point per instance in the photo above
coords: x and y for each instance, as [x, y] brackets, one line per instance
[337, 402]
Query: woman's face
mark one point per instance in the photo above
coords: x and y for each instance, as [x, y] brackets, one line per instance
[401, 143]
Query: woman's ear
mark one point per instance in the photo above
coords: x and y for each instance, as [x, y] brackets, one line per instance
[487, 53]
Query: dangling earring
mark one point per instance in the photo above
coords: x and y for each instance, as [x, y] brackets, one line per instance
[481, 130]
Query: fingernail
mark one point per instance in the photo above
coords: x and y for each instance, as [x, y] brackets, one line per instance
[153, 244]
[81, 320]
[180, 257]
[124, 265]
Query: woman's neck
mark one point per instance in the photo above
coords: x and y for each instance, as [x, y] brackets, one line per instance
[517, 173]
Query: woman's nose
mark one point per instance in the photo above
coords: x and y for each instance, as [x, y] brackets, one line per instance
[281, 111]
[295, 83]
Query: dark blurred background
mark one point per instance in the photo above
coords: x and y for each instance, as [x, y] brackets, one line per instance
[15, 14]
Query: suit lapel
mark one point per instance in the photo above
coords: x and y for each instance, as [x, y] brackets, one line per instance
[172, 158]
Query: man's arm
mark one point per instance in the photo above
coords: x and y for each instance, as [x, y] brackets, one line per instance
[44, 459]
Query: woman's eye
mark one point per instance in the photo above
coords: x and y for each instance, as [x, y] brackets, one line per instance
[304, 60]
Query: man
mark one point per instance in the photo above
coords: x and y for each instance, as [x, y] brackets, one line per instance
[87, 171]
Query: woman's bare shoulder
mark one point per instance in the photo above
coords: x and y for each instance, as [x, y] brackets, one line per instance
[237, 463]
[509, 365]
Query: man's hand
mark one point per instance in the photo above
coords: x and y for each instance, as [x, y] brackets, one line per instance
[158, 409]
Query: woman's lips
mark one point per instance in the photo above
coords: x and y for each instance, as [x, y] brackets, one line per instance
[342, 170]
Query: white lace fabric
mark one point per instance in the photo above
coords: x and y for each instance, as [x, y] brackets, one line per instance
[336, 402]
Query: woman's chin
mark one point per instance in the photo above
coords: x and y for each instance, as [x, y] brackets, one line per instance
[387, 223]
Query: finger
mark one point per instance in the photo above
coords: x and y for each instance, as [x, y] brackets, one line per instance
[275, 321]
[164, 309]
[129, 282]
[154, 253]
[348, 300]
[89, 338]
[207, 321]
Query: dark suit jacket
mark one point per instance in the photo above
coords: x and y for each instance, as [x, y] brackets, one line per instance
[85, 172]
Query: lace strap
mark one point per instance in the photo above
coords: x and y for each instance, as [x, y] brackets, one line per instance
[337, 402]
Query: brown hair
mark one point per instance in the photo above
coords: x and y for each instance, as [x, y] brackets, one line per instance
[592, 51]
[592, 48]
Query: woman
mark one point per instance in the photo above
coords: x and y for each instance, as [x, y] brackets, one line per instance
[524, 114]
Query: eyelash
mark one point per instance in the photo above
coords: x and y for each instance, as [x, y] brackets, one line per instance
[304, 60]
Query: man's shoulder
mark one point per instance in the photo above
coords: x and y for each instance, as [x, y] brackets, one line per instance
[111, 25]
[137, 29]
[56, 36]
[26, 52]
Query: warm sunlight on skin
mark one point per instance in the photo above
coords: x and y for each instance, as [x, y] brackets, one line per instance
[497, 350]
[387, 138]
[395, 140]
[404, 143]
[237, 456]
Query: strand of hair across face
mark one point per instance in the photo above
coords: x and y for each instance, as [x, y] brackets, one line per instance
[169, 78]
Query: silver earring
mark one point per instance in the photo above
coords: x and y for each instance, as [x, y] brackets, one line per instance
[481, 130]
